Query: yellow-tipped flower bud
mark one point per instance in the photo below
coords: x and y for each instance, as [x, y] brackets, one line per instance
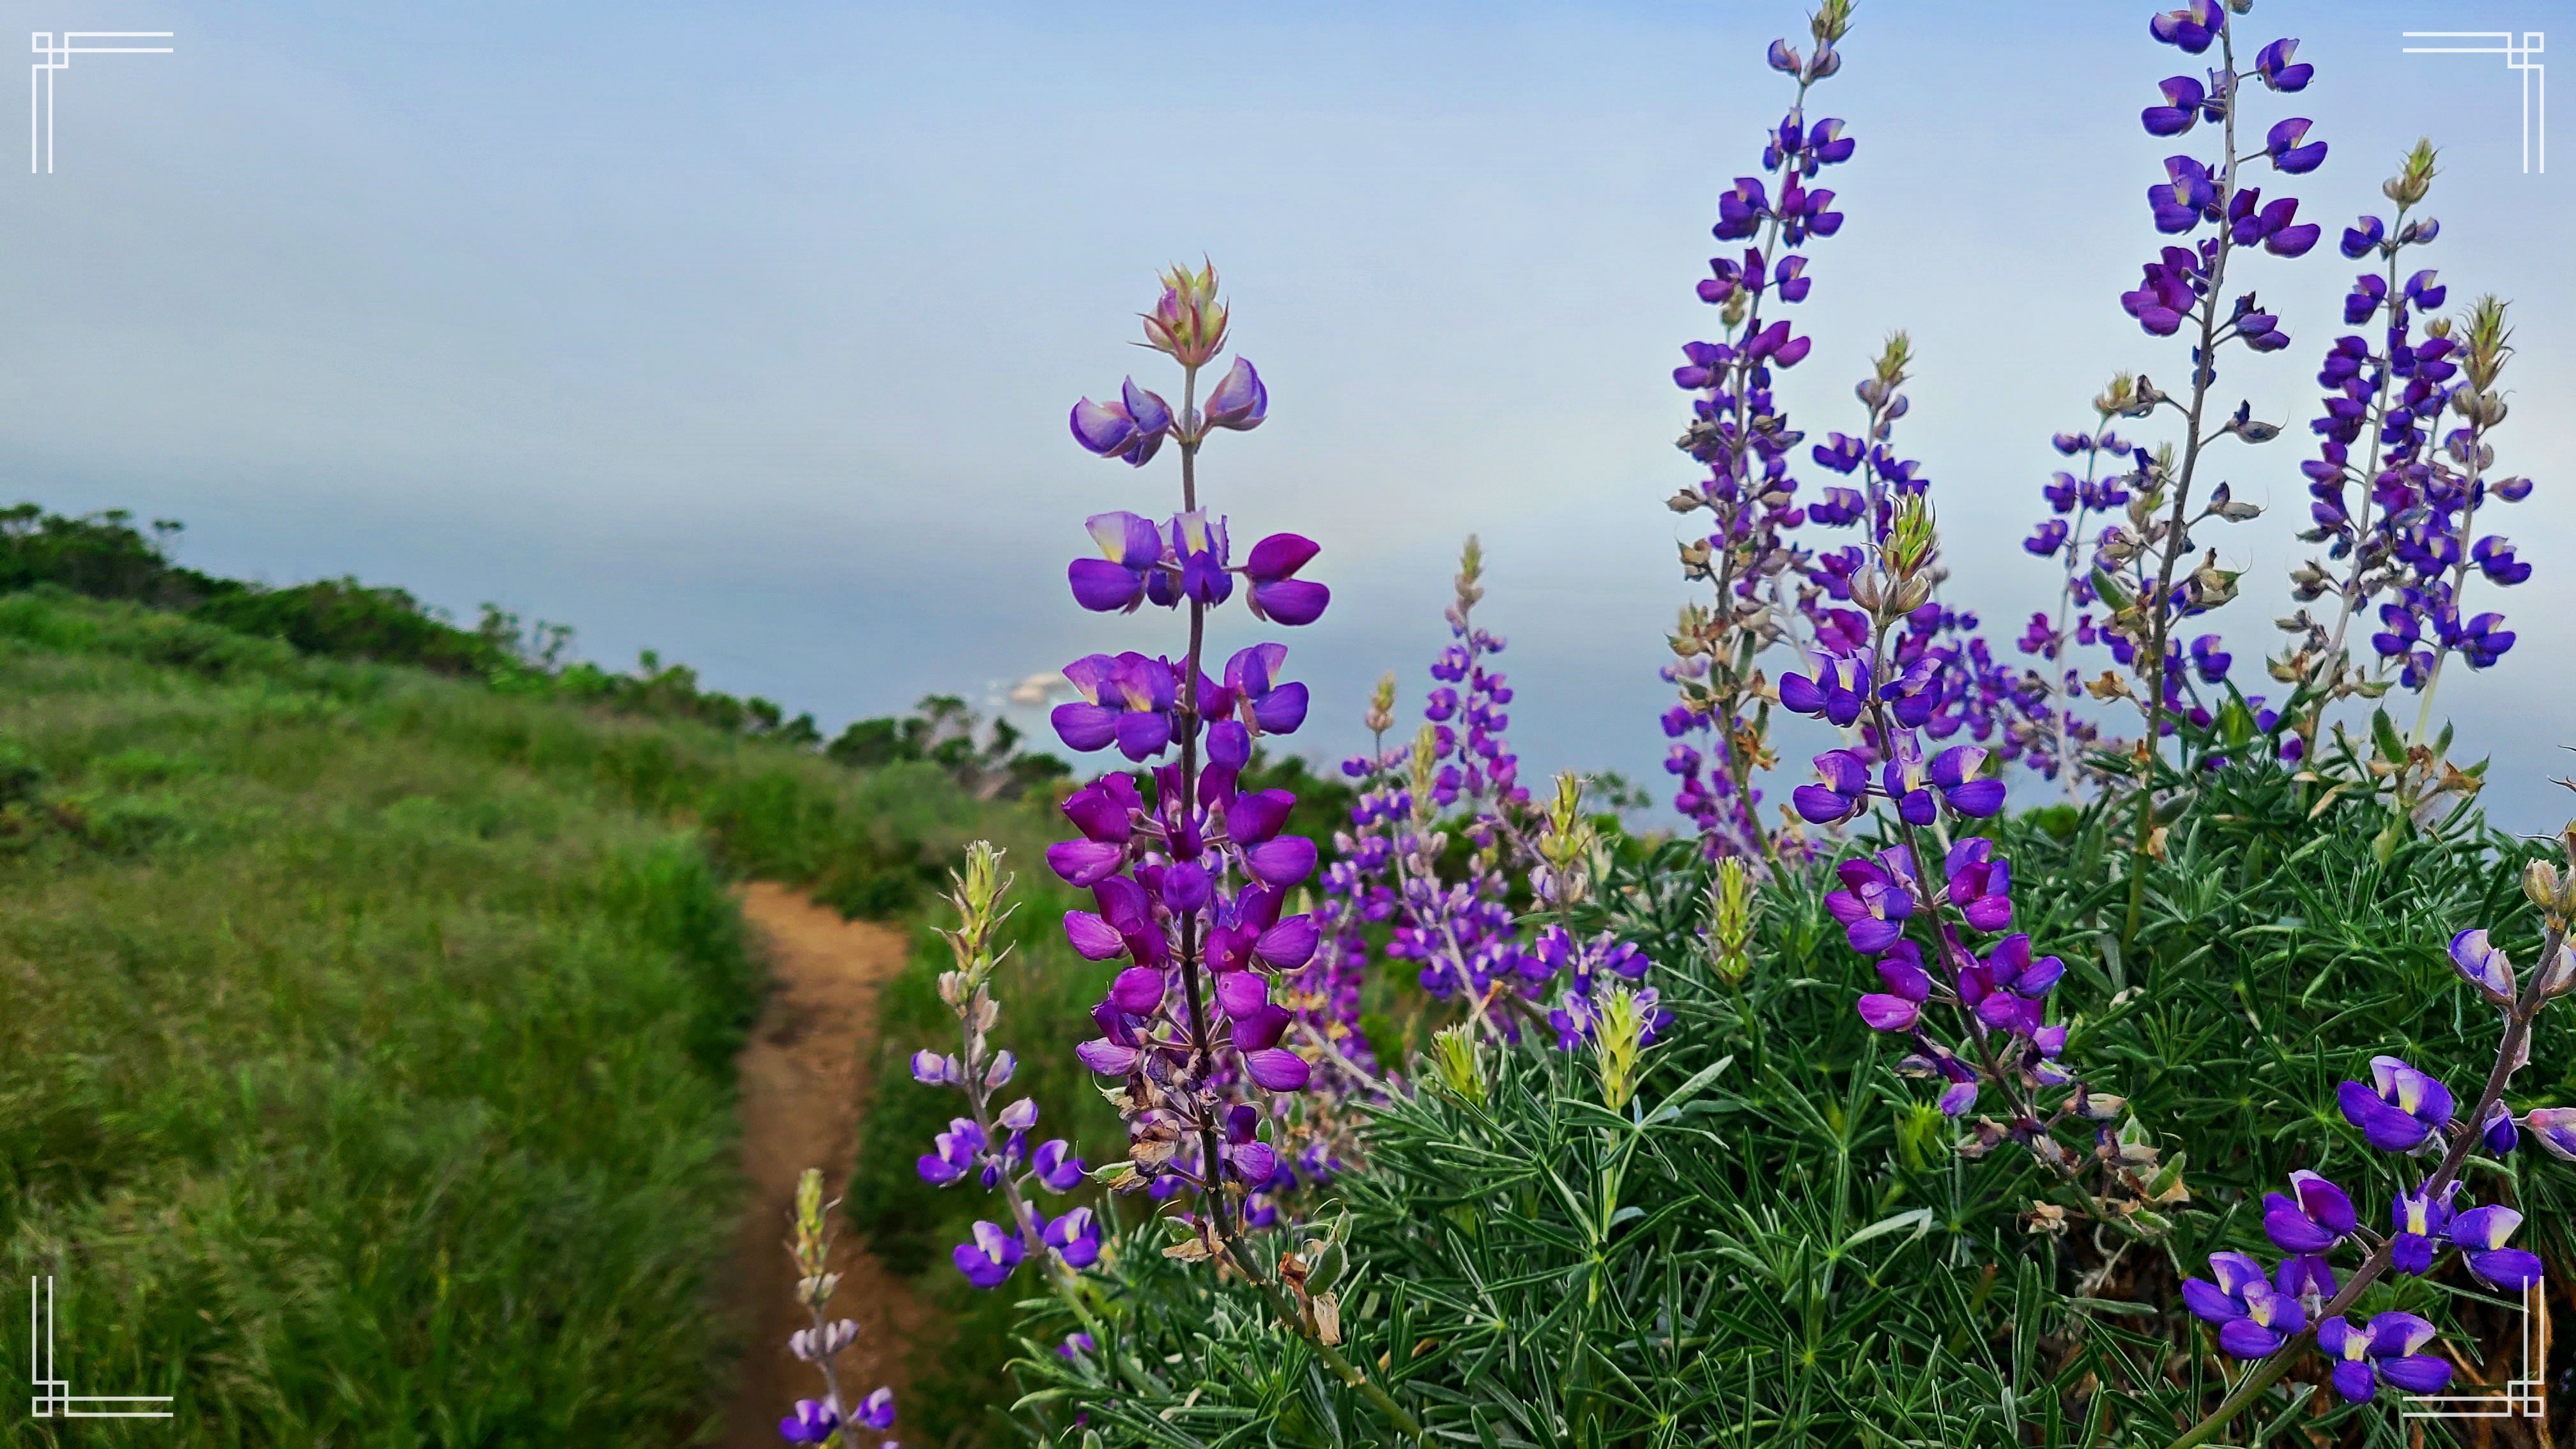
[1426, 762]
[1381, 711]
[1912, 538]
[976, 893]
[1459, 1061]
[1730, 932]
[1565, 843]
[1619, 1045]
[1188, 322]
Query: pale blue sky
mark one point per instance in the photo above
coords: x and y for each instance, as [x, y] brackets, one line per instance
[747, 333]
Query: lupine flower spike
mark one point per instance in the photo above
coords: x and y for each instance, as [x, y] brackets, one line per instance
[990, 1145]
[1191, 875]
[818, 1421]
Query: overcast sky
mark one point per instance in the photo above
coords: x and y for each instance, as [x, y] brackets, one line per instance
[748, 333]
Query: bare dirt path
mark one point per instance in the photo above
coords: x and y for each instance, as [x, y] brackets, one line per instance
[804, 1081]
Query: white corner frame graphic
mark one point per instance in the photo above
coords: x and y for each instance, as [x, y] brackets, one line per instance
[54, 1397]
[55, 50]
[2524, 1396]
[2521, 53]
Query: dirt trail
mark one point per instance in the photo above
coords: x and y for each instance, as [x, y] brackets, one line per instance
[803, 1084]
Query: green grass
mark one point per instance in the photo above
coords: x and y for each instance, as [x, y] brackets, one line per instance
[366, 1037]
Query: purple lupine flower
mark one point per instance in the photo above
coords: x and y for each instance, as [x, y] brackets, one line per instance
[933, 1070]
[2282, 144]
[2253, 1317]
[1131, 428]
[877, 1410]
[1126, 700]
[1199, 542]
[1277, 707]
[2166, 289]
[814, 1421]
[1074, 1236]
[2499, 1134]
[988, 1256]
[1953, 773]
[1132, 547]
[1056, 1167]
[2400, 1110]
[1837, 691]
[1844, 793]
[2273, 63]
[2314, 1216]
[2555, 1128]
[1980, 883]
[2420, 1221]
[1874, 901]
[961, 1151]
[2385, 1350]
[1278, 596]
[2305, 1276]
[1240, 401]
[2479, 1234]
[2185, 102]
[2191, 28]
[2008, 988]
[1909, 986]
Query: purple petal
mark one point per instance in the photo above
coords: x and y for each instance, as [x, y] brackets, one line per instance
[1104, 587]
[1256, 817]
[1278, 556]
[1282, 710]
[1138, 990]
[2247, 1339]
[1884, 1012]
[1282, 862]
[1290, 944]
[1100, 428]
[1253, 1162]
[1084, 727]
[1276, 1069]
[1085, 862]
[1093, 938]
[2210, 1302]
[1821, 806]
[2416, 1373]
[1106, 1057]
[1240, 400]
[1292, 602]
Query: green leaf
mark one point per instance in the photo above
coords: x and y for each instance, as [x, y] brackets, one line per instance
[1671, 1106]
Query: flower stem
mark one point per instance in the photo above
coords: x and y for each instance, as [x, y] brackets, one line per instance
[2204, 374]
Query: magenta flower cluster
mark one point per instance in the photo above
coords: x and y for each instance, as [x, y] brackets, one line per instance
[1190, 873]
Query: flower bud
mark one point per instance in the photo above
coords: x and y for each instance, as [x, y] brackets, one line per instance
[1911, 537]
[2414, 175]
[1188, 322]
[1730, 931]
[1459, 1063]
[1618, 1045]
[2113, 400]
[1381, 711]
[2540, 884]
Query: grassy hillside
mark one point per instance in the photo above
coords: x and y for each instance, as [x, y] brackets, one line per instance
[365, 1034]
